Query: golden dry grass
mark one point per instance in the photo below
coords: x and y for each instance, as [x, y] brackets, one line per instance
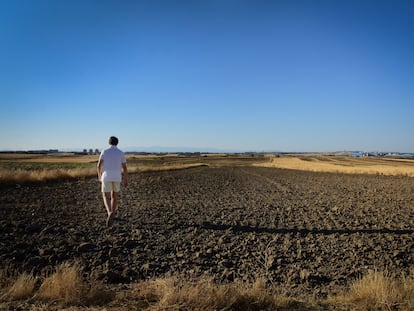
[204, 294]
[39, 168]
[16, 176]
[48, 158]
[21, 175]
[349, 165]
[22, 288]
[171, 167]
[379, 291]
[65, 289]
[21, 168]
[65, 285]
[48, 167]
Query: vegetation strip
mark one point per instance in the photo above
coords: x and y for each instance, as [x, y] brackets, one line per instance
[65, 288]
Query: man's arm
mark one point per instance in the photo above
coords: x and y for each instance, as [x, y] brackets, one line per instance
[125, 171]
[99, 169]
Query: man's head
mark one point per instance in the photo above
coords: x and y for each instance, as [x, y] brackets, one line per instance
[113, 141]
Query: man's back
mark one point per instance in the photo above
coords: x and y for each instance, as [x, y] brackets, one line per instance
[112, 159]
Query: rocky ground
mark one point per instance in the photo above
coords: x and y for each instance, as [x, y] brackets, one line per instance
[311, 232]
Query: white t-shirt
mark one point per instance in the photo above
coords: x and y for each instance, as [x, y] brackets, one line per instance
[112, 164]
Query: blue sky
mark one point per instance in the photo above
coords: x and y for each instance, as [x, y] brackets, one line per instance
[228, 74]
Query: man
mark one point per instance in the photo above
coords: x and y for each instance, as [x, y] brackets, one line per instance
[111, 165]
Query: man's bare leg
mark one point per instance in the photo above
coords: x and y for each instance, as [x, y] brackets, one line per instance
[114, 201]
[107, 201]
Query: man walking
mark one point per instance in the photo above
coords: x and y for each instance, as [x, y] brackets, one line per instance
[111, 165]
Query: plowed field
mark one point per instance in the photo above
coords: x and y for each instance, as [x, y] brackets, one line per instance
[310, 232]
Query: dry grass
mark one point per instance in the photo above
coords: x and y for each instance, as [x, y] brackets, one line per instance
[379, 291]
[17, 176]
[48, 158]
[54, 166]
[15, 287]
[21, 168]
[171, 167]
[383, 166]
[21, 176]
[65, 289]
[204, 294]
[65, 285]
[23, 287]
[46, 169]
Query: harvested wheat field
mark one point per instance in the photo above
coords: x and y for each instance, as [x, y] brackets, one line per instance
[308, 234]
[349, 165]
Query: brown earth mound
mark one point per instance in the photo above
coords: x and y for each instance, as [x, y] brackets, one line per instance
[311, 232]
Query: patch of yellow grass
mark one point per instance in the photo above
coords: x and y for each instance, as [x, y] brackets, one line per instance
[204, 294]
[168, 167]
[344, 165]
[20, 175]
[17, 176]
[22, 288]
[15, 287]
[66, 288]
[378, 291]
[49, 158]
[18, 168]
[375, 290]
[65, 285]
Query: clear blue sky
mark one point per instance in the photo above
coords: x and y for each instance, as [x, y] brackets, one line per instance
[228, 74]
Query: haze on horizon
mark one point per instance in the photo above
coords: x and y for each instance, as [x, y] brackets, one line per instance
[230, 75]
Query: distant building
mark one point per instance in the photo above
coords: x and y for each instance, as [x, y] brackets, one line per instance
[90, 151]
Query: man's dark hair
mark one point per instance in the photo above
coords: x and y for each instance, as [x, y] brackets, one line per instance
[113, 141]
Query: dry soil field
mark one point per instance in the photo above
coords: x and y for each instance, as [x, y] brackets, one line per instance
[311, 232]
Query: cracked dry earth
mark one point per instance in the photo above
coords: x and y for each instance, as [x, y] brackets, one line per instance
[307, 231]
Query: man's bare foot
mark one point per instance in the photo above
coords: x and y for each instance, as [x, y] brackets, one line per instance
[110, 219]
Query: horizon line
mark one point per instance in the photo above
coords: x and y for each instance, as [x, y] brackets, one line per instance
[155, 149]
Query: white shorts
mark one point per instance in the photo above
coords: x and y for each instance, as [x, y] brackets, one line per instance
[110, 186]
